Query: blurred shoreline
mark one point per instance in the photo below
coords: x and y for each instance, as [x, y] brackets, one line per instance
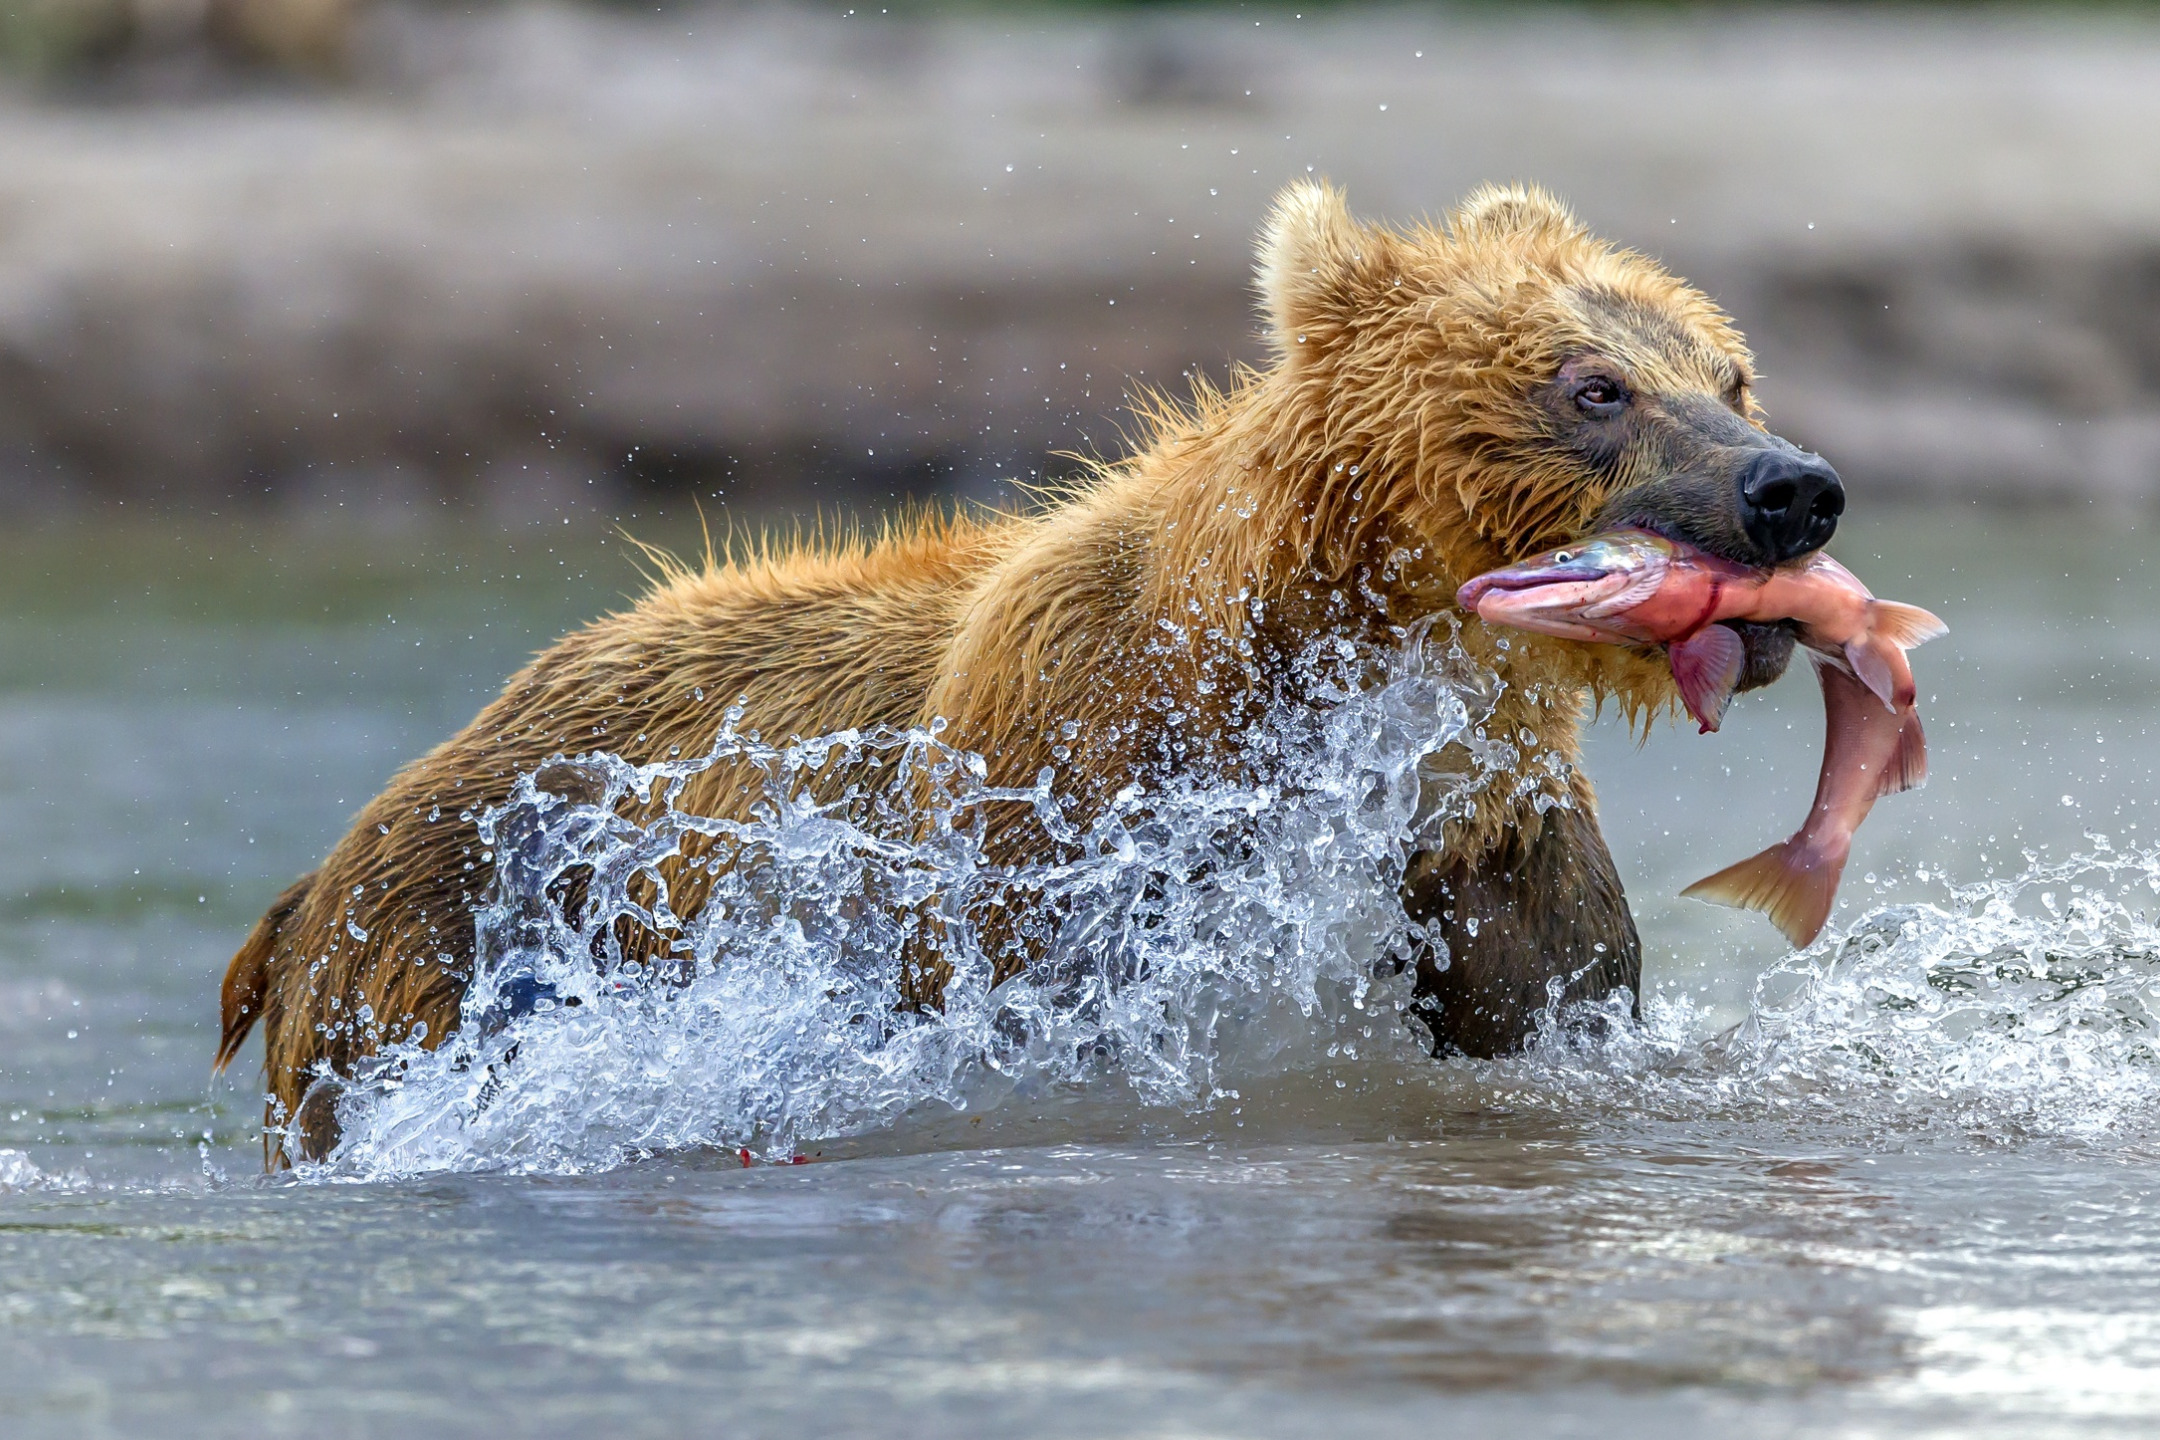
[535, 259]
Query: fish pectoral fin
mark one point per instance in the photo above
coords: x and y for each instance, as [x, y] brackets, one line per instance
[1904, 625]
[1706, 667]
[1783, 884]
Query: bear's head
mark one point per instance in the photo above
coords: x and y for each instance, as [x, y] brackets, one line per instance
[1507, 382]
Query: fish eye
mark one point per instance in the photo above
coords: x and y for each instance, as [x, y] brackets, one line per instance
[1561, 557]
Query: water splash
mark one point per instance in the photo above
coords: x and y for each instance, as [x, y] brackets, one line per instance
[1206, 931]
[18, 1173]
[1209, 935]
[2026, 1006]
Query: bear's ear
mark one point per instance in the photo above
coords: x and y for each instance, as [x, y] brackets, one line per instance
[1309, 255]
[1496, 212]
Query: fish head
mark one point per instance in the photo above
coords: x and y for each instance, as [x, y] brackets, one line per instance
[1583, 591]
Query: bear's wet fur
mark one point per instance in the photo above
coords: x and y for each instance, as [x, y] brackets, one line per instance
[1405, 435]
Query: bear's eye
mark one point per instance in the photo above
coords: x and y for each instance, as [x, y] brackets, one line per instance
[1600, 395]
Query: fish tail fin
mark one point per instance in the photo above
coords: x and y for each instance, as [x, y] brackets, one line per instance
[1904, 625]
[1782, 884]
[247, 978]
[1906, 769]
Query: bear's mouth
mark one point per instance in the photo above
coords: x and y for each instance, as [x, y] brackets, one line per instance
[1666, 529]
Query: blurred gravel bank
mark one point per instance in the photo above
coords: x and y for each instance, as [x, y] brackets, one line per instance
[541, 257]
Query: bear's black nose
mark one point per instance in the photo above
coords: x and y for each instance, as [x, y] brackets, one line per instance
[1789, 502]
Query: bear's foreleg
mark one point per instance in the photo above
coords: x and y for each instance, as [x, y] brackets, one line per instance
[1514, 921]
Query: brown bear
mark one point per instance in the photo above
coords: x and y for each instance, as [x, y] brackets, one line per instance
[1437, 402]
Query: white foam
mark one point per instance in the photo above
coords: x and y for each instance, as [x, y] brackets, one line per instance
[2015, 1007]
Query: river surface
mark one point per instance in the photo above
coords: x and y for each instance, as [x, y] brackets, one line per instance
[1903, 1183]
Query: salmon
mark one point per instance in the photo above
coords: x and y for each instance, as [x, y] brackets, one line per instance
[1632, 586]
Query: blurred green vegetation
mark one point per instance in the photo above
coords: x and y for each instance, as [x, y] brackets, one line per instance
[56, 38]
[47, 36]
[1483, 8]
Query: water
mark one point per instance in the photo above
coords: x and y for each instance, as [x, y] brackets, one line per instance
[1898, 1184]
[1209, 933]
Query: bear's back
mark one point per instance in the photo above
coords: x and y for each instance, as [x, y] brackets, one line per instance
[808, 638]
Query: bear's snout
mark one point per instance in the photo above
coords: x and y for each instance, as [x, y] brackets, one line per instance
[1721, 485]
[1790, 502]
